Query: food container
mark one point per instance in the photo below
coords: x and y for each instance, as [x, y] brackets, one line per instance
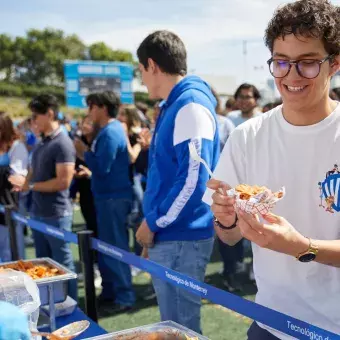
[53, 289]
[167, 327]
[63, 308]
[59, 282]
[255, 200]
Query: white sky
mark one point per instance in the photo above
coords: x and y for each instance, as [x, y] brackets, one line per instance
[213, 30]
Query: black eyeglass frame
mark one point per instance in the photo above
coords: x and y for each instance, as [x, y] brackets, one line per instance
[296, 63]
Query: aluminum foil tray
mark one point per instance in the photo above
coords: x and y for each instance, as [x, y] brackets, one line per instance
[166, 327]
[59, 282]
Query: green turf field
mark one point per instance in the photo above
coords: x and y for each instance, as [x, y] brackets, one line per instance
[218, 323]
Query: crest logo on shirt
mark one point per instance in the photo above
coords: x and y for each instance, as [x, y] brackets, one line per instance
[330, 190]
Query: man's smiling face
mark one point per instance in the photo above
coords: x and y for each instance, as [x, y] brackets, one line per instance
[298, 92]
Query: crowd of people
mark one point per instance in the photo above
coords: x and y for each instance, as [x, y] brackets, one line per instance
[91, 184]
[132, 169]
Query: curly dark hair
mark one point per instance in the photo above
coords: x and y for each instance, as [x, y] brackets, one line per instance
[308, 18]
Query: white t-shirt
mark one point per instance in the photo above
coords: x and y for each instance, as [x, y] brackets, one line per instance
[18, 156]
[237, 118]
[268, 151]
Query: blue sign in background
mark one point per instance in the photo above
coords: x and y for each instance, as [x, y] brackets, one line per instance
[84, 77]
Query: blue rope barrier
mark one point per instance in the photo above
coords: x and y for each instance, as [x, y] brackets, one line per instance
[66, 236]
[262, 314]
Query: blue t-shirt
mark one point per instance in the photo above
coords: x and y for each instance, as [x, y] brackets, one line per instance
[55, 149]
[109, 162]
[225, 127]
[237, 118]
[31, 139]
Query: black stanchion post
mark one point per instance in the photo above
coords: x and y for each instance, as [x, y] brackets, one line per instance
[87, 260]
[12, 232]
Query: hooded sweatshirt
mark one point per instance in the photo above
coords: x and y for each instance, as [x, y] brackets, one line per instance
[173, 204]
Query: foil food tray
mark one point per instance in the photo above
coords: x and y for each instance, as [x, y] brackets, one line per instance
[165, 326]
[59, 282]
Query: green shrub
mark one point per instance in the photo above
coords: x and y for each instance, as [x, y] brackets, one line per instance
[10, 90]
[24, 90]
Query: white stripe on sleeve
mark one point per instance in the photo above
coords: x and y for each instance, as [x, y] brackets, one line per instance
[187, 191]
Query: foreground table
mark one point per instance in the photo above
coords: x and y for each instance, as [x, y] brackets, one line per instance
[78, 315]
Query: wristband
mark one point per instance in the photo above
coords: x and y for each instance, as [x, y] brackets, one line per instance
[220, 225]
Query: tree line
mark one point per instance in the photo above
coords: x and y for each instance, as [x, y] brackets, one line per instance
[38, 57]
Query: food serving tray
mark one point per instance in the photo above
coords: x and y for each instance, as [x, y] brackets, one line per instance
[59, 282]
[166, 327]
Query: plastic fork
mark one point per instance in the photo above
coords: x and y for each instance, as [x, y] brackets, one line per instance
[194, 155]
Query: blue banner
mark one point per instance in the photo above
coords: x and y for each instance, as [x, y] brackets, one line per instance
[267, 316]
[47, 229]
[83, 77]
[279, 321]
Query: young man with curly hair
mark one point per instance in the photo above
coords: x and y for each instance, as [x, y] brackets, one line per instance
[295, 145]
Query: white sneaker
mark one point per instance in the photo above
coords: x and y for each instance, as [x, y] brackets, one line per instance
[76, 206]
[98, 282]
[251, 274]
[241, 267]
[135, 271]
[97, 277]
[28, 240]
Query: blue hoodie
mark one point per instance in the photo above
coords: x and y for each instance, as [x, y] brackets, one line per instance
[173, 204]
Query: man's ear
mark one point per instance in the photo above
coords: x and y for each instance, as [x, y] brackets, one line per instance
[152, 66]
[51, 114]
[335, 65]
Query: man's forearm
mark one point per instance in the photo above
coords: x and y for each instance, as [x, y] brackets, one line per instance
[329, 252]
[52, 185]
[229, 237]
[27, 180]
[80, 155]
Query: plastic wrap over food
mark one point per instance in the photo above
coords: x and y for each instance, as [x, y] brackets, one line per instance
[255, 199]
[20, 290]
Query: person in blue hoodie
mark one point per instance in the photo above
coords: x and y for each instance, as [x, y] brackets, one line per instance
[108, 160]
[178, 226]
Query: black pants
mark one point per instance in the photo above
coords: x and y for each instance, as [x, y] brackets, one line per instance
[87, 208]
[255, 332]
[230, 256]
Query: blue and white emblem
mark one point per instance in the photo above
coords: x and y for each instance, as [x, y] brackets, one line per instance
[330, 190]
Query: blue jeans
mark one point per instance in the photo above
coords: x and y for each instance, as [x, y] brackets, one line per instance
[5, 248]
[58, 250]
[136, 215]
[23, 199]
[116, 275]
[189, 258]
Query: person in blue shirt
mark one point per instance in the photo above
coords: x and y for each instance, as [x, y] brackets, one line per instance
[246, 97]
[13, 322]
[108, 160]
[178, 226]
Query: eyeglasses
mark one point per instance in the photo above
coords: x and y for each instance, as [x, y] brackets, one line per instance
[241, 97]
[306, 68]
